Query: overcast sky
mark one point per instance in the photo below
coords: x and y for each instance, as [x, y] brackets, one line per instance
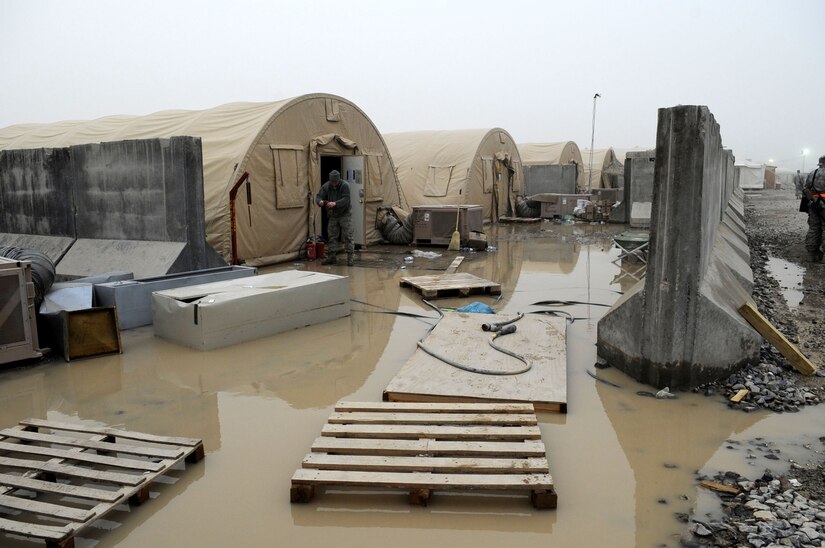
[529, 67]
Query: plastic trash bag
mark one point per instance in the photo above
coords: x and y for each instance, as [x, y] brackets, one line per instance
[476, 308]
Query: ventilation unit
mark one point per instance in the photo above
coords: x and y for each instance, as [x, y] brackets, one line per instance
[18, 324]
[435, 224]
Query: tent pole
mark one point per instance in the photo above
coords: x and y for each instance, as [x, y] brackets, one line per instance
[592, 140]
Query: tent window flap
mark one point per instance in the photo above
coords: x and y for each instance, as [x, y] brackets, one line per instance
[438, 181]
[375, 184]
[290, 169]
[487, 174]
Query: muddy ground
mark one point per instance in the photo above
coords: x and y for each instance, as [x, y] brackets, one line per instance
[786, 508]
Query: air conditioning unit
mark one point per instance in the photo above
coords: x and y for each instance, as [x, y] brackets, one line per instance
[18, 323]
[435, 224]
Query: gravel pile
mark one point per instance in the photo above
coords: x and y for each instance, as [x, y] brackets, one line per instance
[768, 512]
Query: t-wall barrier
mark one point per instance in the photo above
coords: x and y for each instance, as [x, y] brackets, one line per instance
[680, 326]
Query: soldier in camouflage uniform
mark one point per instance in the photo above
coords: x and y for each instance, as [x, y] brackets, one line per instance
[334, 195]
[814, 190]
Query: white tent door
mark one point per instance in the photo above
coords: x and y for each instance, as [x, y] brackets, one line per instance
[352, 170]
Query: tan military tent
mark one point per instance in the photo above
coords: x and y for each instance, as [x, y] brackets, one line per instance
[472, 167]
[606, 168]
[283, 147]
[553, 154]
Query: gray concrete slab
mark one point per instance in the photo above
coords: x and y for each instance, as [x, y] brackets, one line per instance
[89, 257]
[53, 246]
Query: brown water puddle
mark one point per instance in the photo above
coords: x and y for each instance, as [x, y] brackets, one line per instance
[620, 461]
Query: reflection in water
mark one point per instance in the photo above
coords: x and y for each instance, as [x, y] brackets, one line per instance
[789, 276]
[258, 406]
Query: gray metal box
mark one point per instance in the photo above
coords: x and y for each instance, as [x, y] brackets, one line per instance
[133, 298]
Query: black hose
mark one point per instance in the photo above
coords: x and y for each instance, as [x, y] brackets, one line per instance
[527, 208]
[470, 368]
[499, 325]
[43, 271]
[395, 231]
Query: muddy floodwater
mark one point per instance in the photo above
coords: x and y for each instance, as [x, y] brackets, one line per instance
[623, 464]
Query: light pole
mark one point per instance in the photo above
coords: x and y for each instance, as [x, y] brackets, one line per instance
[804, 153]
[592, 140]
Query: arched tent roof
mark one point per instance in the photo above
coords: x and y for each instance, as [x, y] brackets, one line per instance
[241, 137]
[605, 167]
[471, 167]
[561, 153]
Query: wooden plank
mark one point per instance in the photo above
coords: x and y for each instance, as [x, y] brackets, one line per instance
[736, 398]
[454, 265]
[45, 532]
[105, 430]
[433, 418]
[720, 487]
[540, 339]
[92, 444]
[407, 407]
[129, 464]
[777, 339]
[46, 508]
[20, 482]
[422, 480]
[370, 463]
[404, 397]
[69, 470]
[357, 446]
[403, 431]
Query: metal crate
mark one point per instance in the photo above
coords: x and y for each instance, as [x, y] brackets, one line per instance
[18, 324]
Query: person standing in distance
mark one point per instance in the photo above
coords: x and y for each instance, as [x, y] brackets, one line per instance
[814, 190]
[798, 183]
[334, 195]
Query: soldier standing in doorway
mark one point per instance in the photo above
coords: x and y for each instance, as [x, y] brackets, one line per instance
[814, 190]
[334, 196]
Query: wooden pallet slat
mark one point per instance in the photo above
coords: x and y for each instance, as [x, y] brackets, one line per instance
[92, 444]
[416, 480]
[413, 407]
[116, 462]
[406, 431]
[114, 432]
[20, 482]
[146, 464]
[46, 508]
[433, 418]
[423, 448]
[454, 465]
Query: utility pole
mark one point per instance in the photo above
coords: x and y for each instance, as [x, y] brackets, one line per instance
[592, 140]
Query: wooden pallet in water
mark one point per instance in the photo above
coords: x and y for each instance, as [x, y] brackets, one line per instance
[450, 285]
[426, 447]
[78, 474]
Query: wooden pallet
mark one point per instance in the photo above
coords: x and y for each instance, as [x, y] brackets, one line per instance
[59, 462]
[450, 285]
[426, 447]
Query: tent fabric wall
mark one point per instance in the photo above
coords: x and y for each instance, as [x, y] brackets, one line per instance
[606, 167]
[471, 167]
[271, 141]
[750, 176]
[561, 153]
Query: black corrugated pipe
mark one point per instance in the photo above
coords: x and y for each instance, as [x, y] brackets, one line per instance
[527, 208]
[393, 230]
[42, 268]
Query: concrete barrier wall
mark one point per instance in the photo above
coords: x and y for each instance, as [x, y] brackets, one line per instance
[639, 167]
[126, 205]
[680, 326]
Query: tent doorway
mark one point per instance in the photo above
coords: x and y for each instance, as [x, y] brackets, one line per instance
[328, 163]
[351, 169]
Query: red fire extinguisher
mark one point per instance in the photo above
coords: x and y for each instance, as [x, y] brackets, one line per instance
[320, 248]
[310, 246]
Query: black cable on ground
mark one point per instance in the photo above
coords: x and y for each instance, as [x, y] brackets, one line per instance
[567, 303]
[605, 381]
[469, 368]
